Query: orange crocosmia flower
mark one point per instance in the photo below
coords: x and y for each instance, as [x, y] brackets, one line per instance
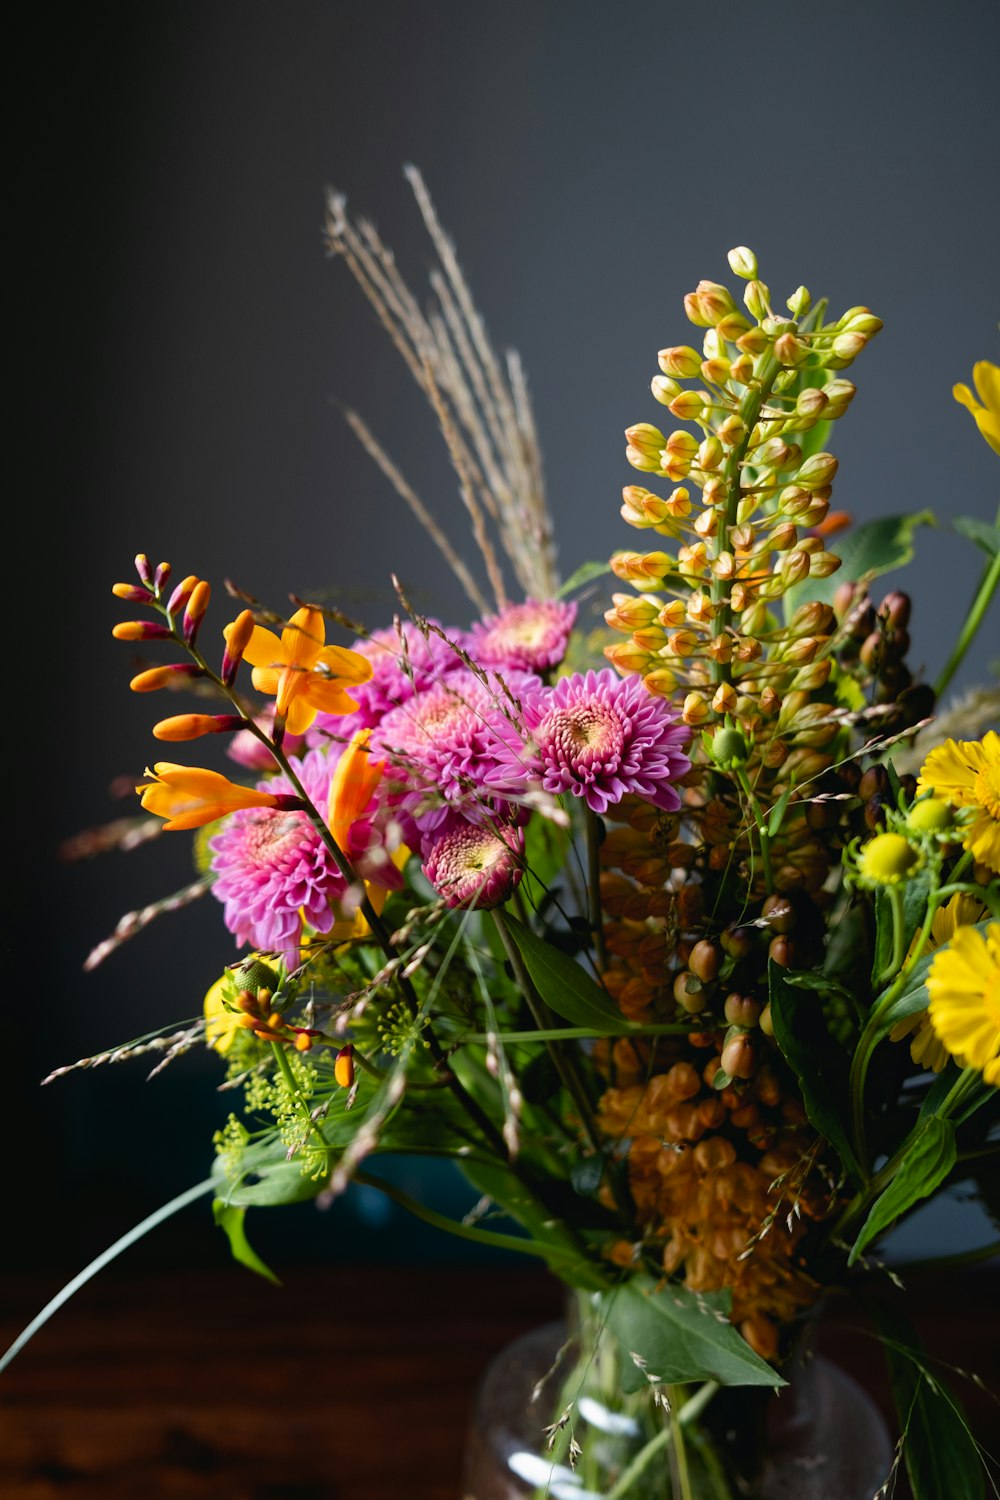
[190, 797]
[304, 675]
[355, 778]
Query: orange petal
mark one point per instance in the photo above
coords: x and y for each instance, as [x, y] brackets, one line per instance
[303, 637]
[355, 779]
[263, 649]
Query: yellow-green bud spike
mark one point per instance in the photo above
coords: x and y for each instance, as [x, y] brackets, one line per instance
[757, 300]
[743, 262]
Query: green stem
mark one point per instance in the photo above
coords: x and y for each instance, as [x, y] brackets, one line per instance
[594, 888]
[687, 1414]
[870, 1037]
[678, 1450]
[578, 1033]
[898, 935]
[454, 1226]
[563, 1065]
[749, 410]
[105, 1258]
[977, 611]
[301, 1102]
[761, 822]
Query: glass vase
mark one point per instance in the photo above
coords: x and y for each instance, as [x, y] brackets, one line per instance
[550, 1420]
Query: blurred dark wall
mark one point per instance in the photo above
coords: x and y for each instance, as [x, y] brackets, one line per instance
[182, 343]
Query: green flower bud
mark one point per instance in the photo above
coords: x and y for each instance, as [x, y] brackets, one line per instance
[743, 262]
[929, 815]
[757, 300]
[799, 302]
[817, 471]
[729, 748]
[254, 974]
[681, 361]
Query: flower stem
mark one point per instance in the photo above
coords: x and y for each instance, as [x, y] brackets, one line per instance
[594, 887]
[977, 611]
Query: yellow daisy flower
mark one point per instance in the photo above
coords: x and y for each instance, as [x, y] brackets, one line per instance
[966, 773]
[985, 411]
[926, 1047]
[964, 985]
[221, 1024]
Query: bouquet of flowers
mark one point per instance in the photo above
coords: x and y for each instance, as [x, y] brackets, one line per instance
[679, 933]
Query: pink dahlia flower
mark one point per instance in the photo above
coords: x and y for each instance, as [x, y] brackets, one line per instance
[441, 744]
[529, 637]
[404, 662]
[596, 736]
[475, 864]
[272, 869]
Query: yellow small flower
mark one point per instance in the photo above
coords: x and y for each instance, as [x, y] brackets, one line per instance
[985, 411]
[966, 773]
[926, 1048]
[964, 986]
[191, 797]
[300, 672]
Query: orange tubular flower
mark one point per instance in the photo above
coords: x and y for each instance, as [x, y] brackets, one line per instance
[191, 797]
[305, 676]
[353, 785]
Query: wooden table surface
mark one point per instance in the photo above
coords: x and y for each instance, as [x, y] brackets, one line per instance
[349, 1383]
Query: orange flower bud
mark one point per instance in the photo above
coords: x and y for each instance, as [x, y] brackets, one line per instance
[193, 726]
[343, 1067]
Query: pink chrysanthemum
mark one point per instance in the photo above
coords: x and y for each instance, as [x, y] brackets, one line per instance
[475, 864]
[596, 736]
[442, 743]
[404, 662]
[529, 637]
[272, 869]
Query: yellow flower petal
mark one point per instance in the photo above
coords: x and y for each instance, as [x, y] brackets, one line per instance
[221, 1025]
[986, 379]
[951, 770]
[263, 648]
[303, 637]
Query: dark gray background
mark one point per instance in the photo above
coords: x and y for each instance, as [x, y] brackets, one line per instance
[182, 342]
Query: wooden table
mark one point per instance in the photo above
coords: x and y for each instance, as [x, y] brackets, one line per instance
[350, 1383]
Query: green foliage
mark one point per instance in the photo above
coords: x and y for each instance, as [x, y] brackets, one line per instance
[585, 573]
[928, 1156]
[230, 1219]
[980, 533]
[942, 1456]
[865, 552]
[680, 1336]
[565, 987]
[816, 1059]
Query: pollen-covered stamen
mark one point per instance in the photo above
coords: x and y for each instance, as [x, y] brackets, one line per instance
[587, 735]
[475, 865]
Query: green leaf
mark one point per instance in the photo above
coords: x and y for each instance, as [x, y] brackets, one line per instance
[865, 552]
[230, 1219]
[942, 1456]
[585, 573]
[565, 987]
[981, 533]
[548, 1233]
[928, 1156]
[915, 996]
[681, 1336]
[278, 1181]
[815, 1058]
